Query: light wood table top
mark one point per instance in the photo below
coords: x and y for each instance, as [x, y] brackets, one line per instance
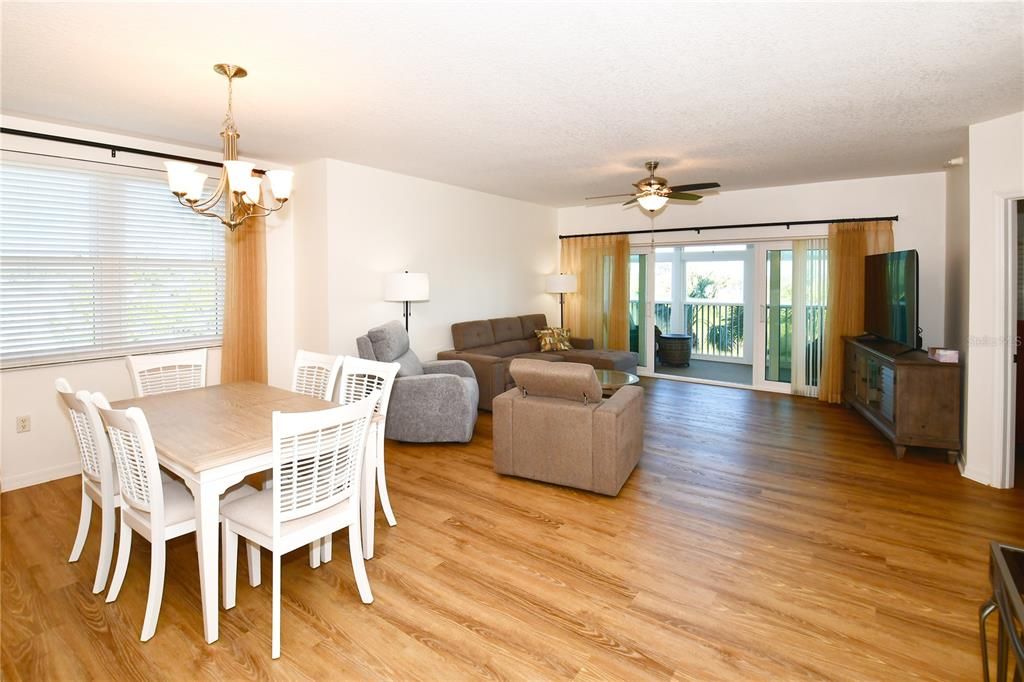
[208, 427]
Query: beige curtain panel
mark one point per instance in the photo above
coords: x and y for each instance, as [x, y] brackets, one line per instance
[244, 350]
[848, 244]
[600, 307]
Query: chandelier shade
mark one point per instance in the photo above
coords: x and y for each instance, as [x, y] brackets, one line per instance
[237, 185]
[652, 201]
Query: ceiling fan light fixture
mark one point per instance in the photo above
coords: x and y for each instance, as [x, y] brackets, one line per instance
[651, 201]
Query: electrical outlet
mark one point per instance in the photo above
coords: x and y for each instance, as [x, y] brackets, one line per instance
[24, 423]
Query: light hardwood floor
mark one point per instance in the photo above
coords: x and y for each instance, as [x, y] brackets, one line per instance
[761, 537]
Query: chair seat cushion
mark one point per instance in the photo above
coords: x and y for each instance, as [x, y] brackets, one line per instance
[623, 361]
[179, 505]
[256, 512]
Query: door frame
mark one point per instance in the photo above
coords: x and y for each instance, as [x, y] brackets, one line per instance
[647, 308]
[1004, 461]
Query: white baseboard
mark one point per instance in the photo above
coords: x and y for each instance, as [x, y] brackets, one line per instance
[8, 483]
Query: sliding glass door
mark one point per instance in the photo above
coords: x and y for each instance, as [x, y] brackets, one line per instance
[773, 362]
[792, 302]
[749, 314]
[638, 308]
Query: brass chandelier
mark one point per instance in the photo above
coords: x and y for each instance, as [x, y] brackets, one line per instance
[237, 186]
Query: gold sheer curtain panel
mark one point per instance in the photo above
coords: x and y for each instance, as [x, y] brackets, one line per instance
[848, 244]
[600, 307]
[244, 350]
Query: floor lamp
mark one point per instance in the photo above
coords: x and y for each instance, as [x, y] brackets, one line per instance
[406, 287]
[561, 284]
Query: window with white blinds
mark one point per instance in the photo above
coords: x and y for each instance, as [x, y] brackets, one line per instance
[99, 263]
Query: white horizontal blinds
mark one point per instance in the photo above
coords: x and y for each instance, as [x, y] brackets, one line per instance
[97, 263]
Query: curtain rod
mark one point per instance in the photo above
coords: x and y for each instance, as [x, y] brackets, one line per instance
[115, 148]
[698, 229]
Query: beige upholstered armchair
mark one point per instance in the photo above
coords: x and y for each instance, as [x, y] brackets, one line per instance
[554, 426]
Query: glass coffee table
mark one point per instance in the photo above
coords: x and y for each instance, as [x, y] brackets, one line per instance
[612, 380]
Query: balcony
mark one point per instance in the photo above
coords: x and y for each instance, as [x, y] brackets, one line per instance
[718, 344]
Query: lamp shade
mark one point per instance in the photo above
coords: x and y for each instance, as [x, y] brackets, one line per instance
[179, 175]
[652, 201]
[561, 284]
[406, 286]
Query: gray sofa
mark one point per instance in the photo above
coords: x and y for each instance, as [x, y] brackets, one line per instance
[431, 402]
[490, 345]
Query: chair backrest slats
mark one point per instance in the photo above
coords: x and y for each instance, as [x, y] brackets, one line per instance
[137, 468]
[166, 372]
[316, 374]
[318, 458]
[93, 446]
[360, 378]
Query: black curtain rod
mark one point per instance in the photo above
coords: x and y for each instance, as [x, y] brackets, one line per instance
[785, 224]
[114, 148]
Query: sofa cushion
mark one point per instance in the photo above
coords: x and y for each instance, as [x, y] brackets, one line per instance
[505, 349]
[507, 329]
[532, 323]
[547, 357]
[472, 334]
[621, 360]
[566, 380]
[409, 365]
[390, 341]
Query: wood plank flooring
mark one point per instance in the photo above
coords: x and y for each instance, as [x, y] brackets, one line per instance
[762, 537]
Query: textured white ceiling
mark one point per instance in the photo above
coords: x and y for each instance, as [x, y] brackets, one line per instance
[547, 102]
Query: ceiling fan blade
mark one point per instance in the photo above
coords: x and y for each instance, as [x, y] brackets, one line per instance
[610, 196]
[684, 196]
[696, 185]
[630, 202]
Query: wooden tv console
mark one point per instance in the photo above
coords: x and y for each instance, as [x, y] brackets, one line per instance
[912, 399]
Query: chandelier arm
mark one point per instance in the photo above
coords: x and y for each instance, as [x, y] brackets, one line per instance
[216, 196]
[280, 205]
[266, 212]
[198, 211]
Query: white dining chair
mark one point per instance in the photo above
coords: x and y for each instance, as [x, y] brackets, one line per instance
[316, 374]
[158, 507]
[166, 372]
[98, 484]
[317, 462]
[360, 378]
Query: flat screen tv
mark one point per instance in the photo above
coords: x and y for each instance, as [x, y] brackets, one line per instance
[890, 297]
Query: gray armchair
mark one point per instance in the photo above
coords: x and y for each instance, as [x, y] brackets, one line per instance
[431, 402]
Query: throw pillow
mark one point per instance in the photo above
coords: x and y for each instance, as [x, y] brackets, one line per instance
[563, 338]
[553, 339]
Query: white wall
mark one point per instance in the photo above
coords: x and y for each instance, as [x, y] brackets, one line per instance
[486, 256]
[996, 172]
[919, 200]
[958, 231]
[48, 451]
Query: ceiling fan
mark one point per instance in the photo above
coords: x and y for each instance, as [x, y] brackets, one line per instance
[653, 192]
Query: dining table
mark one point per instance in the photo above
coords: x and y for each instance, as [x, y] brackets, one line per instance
[213, 437]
